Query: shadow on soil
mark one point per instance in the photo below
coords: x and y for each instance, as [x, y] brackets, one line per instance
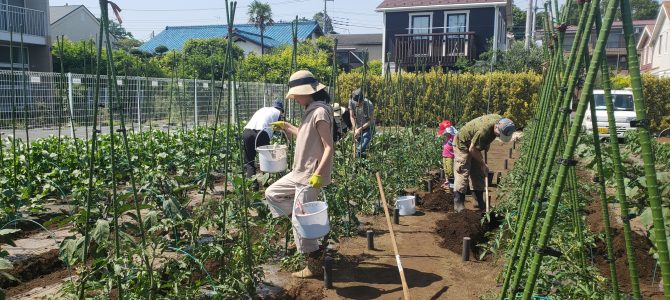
[369, 274]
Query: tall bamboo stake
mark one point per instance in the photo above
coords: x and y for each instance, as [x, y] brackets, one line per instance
[653, 194]
[619, 182]
[90, 185]
[568, 153]
[124, 135]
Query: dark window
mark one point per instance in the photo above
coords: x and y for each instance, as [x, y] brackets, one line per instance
[4, 55]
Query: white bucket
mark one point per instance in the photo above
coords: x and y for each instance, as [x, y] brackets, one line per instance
[272, 158]
[311, 219]
[406, 205]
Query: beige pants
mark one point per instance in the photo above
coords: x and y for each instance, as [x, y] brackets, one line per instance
[281, 196]
[466, 169]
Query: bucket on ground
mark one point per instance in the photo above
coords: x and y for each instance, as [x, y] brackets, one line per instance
[406, 205]
[311, 218]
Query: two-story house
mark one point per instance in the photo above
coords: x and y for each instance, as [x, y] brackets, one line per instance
[32, 18]
[615, 48]
[75, 23]
[436, 33]
[653, 44]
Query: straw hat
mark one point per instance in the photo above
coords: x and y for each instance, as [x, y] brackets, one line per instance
[303, 83]
[338, 110]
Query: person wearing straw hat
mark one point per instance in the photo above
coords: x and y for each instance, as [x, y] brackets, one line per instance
[258, 132]
[312, 160]
[473, 138]
[362, 115]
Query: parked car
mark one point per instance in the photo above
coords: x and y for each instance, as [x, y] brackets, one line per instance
[624, 112]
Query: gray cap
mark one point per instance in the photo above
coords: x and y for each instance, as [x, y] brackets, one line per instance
[506, 128]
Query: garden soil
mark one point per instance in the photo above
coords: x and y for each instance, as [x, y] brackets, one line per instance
[645, 262]
[438, 200]
[429, 243]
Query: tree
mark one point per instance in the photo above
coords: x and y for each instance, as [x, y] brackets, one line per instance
[76, 54]
[516, 59]
[260, 14]
[310, 57]
[328, 26]
[118, 31]
[199, 55]
[644, 9]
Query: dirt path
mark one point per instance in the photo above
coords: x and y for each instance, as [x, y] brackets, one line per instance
[429, 243]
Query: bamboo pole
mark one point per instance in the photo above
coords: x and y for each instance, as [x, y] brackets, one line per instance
[660, 233]
[550, 148]
[619, 183]
[557, 188]
[405, 288]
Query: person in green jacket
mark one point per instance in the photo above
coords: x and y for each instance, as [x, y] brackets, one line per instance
[469, 166]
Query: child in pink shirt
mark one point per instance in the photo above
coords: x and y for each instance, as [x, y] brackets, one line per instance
[449, 133]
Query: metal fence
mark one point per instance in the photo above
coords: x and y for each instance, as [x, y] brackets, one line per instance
[43, 101]
[17, 19]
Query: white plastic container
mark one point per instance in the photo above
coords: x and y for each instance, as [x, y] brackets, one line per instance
[272, 158]
[406, 205]
[311, 219]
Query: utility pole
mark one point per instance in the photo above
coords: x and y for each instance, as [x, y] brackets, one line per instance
[325, 14]
[529, 24]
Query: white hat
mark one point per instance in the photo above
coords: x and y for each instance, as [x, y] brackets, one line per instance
[338, 110]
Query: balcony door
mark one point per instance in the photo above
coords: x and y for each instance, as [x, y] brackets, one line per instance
[455, 22]
[420, 25]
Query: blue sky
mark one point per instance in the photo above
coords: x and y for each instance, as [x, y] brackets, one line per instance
[141, 17]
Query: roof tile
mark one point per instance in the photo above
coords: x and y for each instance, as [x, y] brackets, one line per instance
[174, 37]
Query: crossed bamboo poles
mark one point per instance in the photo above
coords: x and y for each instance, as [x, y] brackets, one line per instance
[534, 188]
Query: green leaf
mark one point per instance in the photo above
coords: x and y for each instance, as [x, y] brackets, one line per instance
[4, 232]
[5, 264]
[100, 234]
[646, 218]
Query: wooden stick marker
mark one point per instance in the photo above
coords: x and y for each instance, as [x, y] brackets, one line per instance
[405, 288]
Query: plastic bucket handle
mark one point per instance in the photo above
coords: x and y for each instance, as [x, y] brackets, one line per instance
[263, 130]
[298, 204]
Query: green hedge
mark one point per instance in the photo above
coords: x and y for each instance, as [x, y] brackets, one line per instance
[427, 98]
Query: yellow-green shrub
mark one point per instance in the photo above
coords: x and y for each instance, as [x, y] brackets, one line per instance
[427, 98]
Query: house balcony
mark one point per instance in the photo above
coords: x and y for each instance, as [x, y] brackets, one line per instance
[433, 49]
[31, 22]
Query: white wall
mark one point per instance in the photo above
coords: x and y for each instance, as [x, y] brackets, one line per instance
[249, 47]
[660, 50]
[76, 26]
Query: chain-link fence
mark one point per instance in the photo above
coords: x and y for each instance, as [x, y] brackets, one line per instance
[47, 103]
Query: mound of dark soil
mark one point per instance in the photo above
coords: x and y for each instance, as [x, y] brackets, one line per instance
[438, 200]
[456, 226]
[306, 290]
[645, 262]
[33, 267]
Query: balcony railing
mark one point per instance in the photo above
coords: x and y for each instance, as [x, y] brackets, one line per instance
[21, 19]
[433, 49]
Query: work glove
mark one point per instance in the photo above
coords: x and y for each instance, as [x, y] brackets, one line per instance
[315, 181]
[279, 125]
